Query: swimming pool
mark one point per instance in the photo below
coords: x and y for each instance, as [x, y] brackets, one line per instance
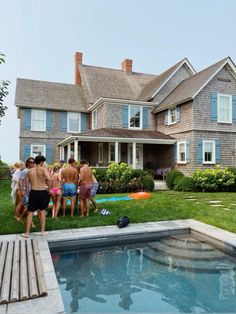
[175, 274]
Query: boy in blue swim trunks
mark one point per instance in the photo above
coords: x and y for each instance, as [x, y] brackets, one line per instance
[69, 178]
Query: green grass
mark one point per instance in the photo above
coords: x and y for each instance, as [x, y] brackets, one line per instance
[161, 206]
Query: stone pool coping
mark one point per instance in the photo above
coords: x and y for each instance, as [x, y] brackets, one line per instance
[52, 304]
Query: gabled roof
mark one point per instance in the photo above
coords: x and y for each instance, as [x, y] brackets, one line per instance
[189, 88]
[105, 82]
[124, 135]
[46, 95]
[152, 88]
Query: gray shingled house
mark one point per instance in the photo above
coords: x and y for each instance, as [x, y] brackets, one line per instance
[179, 118]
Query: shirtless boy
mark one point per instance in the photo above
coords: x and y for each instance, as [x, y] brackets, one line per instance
[85, 183]
[39, 180]
[69, 179]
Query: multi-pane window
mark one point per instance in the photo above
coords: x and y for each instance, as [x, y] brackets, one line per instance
[38, 120]
[224, 109]
[37, 150]
[209, 152]
[135, 116]
[181, 152]
[73, 122]
[172, 116]
[95, 119]
[111, 152]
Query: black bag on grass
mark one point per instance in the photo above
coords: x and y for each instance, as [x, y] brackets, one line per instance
[123, 222]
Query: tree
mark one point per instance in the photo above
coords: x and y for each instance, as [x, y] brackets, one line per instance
[3, 90]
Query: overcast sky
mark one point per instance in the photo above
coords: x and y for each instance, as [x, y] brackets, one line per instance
[40, 37]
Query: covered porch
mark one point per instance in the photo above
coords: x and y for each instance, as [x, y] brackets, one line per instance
[140, 149]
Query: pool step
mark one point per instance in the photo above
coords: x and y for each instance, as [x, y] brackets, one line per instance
[199, 256]
[21, 272]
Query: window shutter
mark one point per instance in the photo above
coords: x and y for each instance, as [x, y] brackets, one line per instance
[199, 151]
[83, 121]
[125, 116]
[26, 151]
[175, 152]
[178, 111]
[217, 143]
[27, 119]
[234, 108]
[63, 121]
[166, 117]
[49, 120]
[214, 106]
[145, 117]
[187, 151]
[49, 153]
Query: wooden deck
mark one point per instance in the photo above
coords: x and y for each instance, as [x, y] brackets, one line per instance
[21, 272]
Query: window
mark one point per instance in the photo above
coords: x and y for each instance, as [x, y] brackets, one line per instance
[38, 120]
[181, 152]
[73, 122]
[100, 152]
[172, 116]
[37, 150]
[209, 152]
[95, 119]
[111, 152]
[135, 116]
[224, 108]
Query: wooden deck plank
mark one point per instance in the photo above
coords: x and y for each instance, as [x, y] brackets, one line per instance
[24, 288]
[3, 253]
[15, 281]
[39, 269]
[6, 281]
[33, 289]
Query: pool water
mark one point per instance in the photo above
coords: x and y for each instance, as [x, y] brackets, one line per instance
[176, 274]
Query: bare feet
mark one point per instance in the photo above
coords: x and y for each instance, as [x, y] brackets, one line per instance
[95, 210]
[44, 233]
[24, 235]
[19, 219]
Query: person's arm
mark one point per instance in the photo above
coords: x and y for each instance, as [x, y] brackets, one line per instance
[48, 178]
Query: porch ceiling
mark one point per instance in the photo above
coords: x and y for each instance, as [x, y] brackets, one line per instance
[120, 135]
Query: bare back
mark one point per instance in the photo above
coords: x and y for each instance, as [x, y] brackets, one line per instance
[69, 175]
[86, 175]
[37, 178]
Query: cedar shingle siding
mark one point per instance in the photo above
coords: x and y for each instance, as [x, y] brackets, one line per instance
[111, 92]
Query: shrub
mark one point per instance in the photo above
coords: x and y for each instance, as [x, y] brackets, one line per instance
[185, 184]
[100, 174]
[148, 183]
[171, 178]
[119, 171]
[135, 185]
[138, 173]
[213, 179]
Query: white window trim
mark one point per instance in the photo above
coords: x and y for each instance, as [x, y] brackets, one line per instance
[94, 126]
[213, 152]
[68, 124]
[218, 113]
[178, 152]
[101, 149]
[44, 128]
[141, 118]
[42, 145]
[169, 116]
[109, 152]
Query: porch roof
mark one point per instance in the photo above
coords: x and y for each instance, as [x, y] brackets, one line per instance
[120, 135]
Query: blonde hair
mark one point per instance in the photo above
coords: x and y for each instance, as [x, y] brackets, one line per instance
[18, 164]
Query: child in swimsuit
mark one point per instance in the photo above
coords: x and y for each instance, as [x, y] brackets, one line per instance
[56, 191]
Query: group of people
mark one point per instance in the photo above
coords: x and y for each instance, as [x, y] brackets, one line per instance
[34, 184]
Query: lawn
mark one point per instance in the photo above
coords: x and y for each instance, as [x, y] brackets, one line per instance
[165, 205]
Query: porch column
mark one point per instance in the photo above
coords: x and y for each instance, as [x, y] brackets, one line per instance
[134, 154]
[116, 152]
[62, 155]
[76, 149]
[68, 151]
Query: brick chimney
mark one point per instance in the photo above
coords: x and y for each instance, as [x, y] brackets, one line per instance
[126, 65]
[78, 60]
